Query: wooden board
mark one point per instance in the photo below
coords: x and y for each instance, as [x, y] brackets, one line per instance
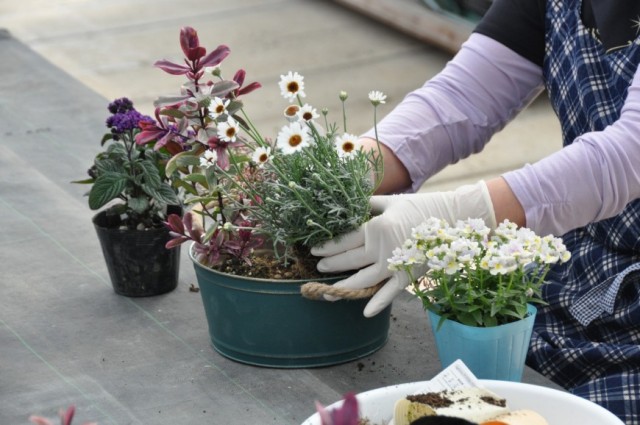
[414, 18]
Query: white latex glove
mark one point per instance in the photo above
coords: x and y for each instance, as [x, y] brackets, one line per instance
[369, 247]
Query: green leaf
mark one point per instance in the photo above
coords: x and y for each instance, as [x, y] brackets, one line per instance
[197, 178]
[106, 165]
[106, 138]
[150, 173]
[106, 188]
[85, 181]
[170, 112]
[182, 159]
[139, 204]
[186, 186]
[222, 88]
[117, 149]
[201, 200]
[163, 194]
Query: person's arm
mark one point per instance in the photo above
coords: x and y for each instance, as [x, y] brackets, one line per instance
[455, 113]
[592, 179]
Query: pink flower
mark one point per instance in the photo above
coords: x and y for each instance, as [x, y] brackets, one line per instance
[347, 414]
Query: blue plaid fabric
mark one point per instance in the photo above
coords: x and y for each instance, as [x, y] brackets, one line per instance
[587, 338]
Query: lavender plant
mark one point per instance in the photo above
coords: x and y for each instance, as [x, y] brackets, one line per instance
[130, 173]
[246, 190]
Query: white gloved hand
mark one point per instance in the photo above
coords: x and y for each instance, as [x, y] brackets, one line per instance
[369, 247]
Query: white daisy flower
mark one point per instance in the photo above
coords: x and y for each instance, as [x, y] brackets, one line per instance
[292, 86]
[218, 107]
[377, 97]
[261, 156]
[291, 113]
[308, 113]
[293, 138]
[208, 159]
[228, 131]
[347, 145]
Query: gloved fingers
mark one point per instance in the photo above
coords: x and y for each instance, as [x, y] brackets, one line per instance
[340, 244]
[379, 203]
[364, 278]
[351, 260]
[386, 294]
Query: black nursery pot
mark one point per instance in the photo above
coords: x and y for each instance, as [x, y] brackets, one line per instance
[139, 265]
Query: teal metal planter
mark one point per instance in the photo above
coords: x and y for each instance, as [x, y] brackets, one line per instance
[269, 323]
[497, 352]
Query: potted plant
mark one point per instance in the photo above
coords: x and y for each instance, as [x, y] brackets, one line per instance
[479, 288]
[129, 183]
[256, 205]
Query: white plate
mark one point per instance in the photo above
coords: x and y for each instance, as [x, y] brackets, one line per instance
[557, 407]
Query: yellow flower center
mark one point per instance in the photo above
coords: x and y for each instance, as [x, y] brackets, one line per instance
[219, 109]
[291, 110]
[295, 140]
[293, 87]
[231, 132]
[348, 147]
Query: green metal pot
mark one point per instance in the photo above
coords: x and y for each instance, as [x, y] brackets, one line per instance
[269, 323]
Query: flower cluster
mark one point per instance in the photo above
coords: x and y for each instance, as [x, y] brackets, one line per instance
[466, 273]
[124, 119]
[245, 190]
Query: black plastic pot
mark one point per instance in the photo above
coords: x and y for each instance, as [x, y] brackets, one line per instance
[139, 264]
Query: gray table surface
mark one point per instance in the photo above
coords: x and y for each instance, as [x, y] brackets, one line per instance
[67, 338]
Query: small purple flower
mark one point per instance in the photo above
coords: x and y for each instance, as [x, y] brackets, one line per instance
[125, 118]
[120, 106]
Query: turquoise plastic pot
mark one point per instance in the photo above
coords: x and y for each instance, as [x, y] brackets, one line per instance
[269, 323]
[497, 352]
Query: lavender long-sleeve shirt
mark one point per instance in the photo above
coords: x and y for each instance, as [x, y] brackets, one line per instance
[455, 114]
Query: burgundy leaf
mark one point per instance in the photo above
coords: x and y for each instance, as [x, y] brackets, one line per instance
[39, 420]
[67, 417]
[190, 44]
[175, 223]
[347, 414]
[239, 77]
[215, 57]
[172, 68]
[176, 241]
[325, 417]
[249, 88]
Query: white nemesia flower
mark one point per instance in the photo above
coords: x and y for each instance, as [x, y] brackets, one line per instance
[261, 156]
[218, 107]
[208, 159]
[293, 138]
[228, 131]
[377, 97]
[347, 145]
[292, 86]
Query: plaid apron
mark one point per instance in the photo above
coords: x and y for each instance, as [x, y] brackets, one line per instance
[587, 339]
